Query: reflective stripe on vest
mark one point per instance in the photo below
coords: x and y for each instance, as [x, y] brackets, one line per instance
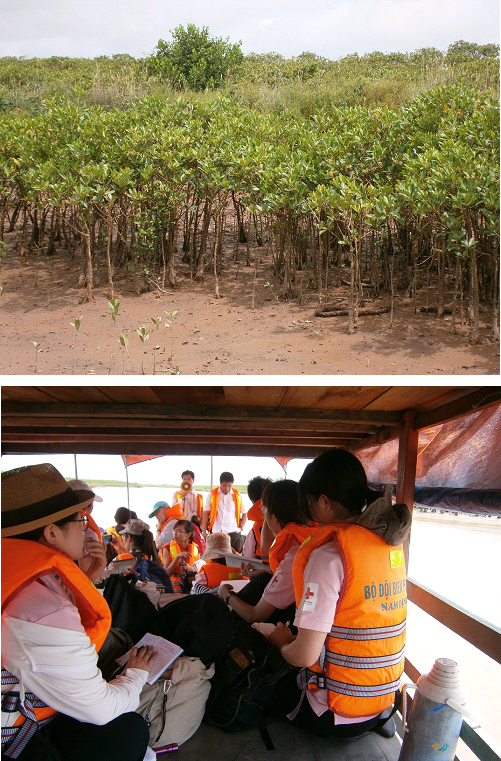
[36, 714]
[382, 632]
[214, 501]
[371, 655]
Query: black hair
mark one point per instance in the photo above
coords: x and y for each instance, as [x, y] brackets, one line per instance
[281, 499]
[37, 533]
[122, 515]
[188, 473]
[188, 526]
[256, 486]
[340, 476]
[144, 544]
[195, 520]
[226, 476]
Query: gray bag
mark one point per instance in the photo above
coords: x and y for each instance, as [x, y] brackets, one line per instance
[174, 708]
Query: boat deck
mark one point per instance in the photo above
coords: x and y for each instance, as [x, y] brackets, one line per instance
[291, 744]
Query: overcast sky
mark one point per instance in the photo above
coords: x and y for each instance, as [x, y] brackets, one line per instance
[331, 28]
[162, 470]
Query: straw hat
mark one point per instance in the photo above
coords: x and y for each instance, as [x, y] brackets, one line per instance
[135, 527]
[35, 496]
[79, 486]
[217, 544]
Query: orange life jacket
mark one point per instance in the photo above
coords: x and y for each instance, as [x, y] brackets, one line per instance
[38, 561]
[216, 573]
[173, 512]
[257, 516]
[364, 651]
[93, 526]
[283, 542]
[214, 501]
[124, 556]
[200, 502]
[173, 548]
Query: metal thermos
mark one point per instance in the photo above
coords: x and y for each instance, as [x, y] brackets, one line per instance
[436, 715]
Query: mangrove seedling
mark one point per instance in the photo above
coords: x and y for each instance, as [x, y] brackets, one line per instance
[76, 324]
[143, 335]
[170, 324]
[36, 345]
[123, 341]
[270, 286]
[113, 306]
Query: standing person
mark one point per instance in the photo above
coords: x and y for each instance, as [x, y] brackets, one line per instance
[166, 517]
[223, 511]
[338, 577]
[191, 502]
[252, 544]
[53, 622]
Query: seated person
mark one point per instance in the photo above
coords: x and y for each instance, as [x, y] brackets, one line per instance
[339, 625]
[166, 517]
[216, 570]
[54, 621]
[138, 541]
[179, 554]
[199, 540]
[252, 544]
[271, 598]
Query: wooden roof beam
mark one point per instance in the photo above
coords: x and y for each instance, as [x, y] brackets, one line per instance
[69, 411]
[79, 447]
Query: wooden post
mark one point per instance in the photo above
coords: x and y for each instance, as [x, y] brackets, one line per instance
[407, 461]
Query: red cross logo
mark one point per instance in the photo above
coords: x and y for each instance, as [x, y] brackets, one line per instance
[309, 594]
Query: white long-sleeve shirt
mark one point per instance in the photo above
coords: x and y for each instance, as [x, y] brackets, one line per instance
[46, 647]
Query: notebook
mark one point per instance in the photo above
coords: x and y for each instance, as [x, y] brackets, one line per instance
[166, 653]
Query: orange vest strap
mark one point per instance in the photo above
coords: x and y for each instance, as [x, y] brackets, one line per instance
[283, 542]
[93, 526]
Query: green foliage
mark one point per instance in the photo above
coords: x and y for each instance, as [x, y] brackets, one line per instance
[194, 60]
[461, 51]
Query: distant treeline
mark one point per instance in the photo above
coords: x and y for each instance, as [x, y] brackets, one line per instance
[268, 82]
[134, 485]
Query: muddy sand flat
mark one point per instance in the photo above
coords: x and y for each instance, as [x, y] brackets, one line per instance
[224, 336]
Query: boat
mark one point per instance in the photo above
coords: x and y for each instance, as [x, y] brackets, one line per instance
[417, 437]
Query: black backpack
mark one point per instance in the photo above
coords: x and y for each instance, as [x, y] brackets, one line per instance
[131, 609]
[201, 624]
[116, 644]
[250, 684]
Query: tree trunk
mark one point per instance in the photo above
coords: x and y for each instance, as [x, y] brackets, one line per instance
[109, 243]
[88, 261]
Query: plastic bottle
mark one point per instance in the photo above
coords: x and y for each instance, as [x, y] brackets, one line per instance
[436, 715]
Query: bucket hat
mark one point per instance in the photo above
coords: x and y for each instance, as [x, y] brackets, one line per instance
[156, 506]
[135, 527]
[78, 485]
[217, 544]
[36, 495]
